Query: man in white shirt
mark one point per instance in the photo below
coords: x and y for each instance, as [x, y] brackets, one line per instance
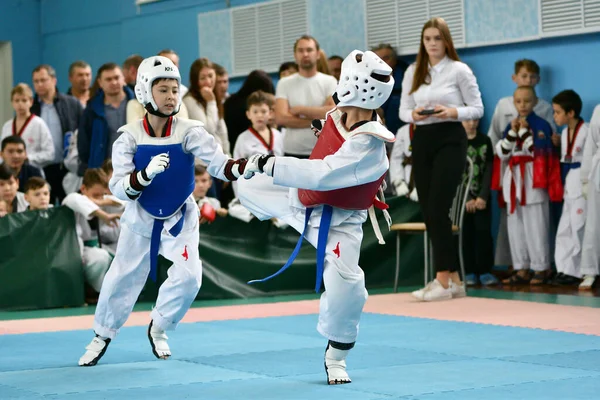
[302, 97]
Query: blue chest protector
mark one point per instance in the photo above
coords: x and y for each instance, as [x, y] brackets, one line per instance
[167, 193]
[177, 180]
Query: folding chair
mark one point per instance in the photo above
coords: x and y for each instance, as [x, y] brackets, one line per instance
[457, 212]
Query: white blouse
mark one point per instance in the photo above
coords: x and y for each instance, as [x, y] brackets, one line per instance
[452, 85]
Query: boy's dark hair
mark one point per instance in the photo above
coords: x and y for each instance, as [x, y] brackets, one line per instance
[199, 170]
[529, 65]
[34, 183]
[7, 172]
[13, 139]
[569, 100]
[260, 97]
[94, 176]
[287, 65]
[335, 57]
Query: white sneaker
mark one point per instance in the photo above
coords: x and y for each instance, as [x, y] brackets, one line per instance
[588, 282]
[158, 341]
[335, 366]
[94, 351]
[434, 291]
[458, 290]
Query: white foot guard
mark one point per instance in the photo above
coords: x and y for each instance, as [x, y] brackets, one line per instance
[335, 364]
[94, 351]
[158, 341]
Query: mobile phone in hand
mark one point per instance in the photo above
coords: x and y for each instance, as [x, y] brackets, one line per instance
[429, 112]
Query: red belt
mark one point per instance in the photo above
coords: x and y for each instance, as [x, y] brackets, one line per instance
[521, 161]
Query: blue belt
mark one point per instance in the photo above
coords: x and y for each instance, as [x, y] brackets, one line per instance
[321, 247]
[155, 240]
[566, 167]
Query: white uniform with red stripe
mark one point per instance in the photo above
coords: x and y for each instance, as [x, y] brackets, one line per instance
[130, 268]
[527, 211]
[361, 160]
[37, 138]
[569, 235]
[590, 175]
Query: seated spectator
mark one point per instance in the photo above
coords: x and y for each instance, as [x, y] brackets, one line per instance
[3, 208]
[203, 181]
[13, 152]
[37, 193]
[9, 183]
[29, 127]
[89, 217]
[287, 68]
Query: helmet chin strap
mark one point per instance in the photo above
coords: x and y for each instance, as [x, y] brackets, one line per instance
[152, 111]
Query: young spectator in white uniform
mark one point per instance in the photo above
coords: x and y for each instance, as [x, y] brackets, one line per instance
[29, 127]
[567, 109]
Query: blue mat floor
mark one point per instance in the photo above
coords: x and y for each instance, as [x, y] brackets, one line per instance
[282, 358]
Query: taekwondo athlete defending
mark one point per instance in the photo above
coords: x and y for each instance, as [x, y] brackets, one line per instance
[329, 196]
[153, 162]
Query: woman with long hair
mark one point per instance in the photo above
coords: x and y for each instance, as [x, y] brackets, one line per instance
[439, 91]
[202, 103]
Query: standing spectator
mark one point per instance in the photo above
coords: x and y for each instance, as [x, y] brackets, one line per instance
[438, 92]
[29, 127]
[235, 106]
[130, 67]
[201, 101]
[103, 117]
[222, 85]
[390, 108]
[335, 66]
[80, 76]
[302, 97]
[478, 246]
[62, 113]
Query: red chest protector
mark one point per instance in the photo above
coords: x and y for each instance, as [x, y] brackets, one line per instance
[360, 197]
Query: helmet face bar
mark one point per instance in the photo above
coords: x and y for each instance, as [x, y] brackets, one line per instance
[151, 69]
[365, 81]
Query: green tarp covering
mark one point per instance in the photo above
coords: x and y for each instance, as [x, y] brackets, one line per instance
[40, 265]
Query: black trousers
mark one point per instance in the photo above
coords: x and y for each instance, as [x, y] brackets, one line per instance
[439, 157]
[477, 246]
[54, 175]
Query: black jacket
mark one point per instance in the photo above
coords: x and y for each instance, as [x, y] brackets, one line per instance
[69, 111]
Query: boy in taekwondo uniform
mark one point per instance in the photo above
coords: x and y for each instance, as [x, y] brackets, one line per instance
[329, 196]
[529, 177]
[153, 162]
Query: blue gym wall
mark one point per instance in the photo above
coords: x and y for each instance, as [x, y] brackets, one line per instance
[60, 31]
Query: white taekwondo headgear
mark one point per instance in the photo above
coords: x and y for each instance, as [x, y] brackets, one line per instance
[151, 69]
[365, 81]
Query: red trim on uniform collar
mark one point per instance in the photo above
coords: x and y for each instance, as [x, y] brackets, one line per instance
[150, 131]
[571, 142]
[268, 146]
[14, 126]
